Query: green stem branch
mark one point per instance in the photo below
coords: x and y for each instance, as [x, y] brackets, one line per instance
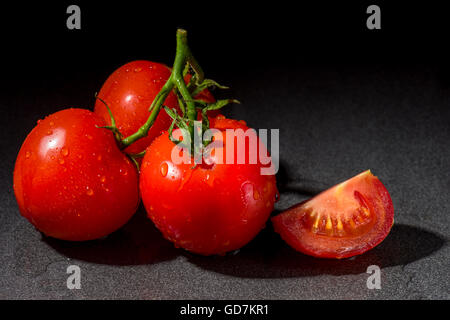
[176, 79]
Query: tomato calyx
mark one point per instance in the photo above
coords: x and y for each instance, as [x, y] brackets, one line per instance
[185, 67]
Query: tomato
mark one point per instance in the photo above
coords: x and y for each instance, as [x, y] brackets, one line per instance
[211, 208]
[343, 221]
[129, 91]
[71, 181]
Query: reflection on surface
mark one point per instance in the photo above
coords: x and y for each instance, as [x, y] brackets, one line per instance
[268, 256]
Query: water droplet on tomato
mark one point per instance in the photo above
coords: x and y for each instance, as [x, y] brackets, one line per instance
[49, 132]
[277, 196]
[124, 172]
[89, 191]
[102, 178]
[27, 154]
[99, 158]
[164, 168]
[64, 151]
[89, 136]
[52, 123]
[137, 69]
[246, 191]
[61, 161]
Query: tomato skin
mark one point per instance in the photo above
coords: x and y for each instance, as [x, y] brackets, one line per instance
[129, 91]
[293, 227]
[211, 209]
[71, 181]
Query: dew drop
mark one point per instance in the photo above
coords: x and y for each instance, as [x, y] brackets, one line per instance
[52, 123]
[137, 69]
[89, 191]
[99, 158]
[277, 196]
[124, 172]
[89, 136]
[102, 178]
[246, 191]
[64, 151]
[164, 168]
[49, 132]
[256, 194]
[61, 161]
[27, 154]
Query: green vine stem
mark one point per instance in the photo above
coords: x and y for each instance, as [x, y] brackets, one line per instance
[184, 61]
[183, 55]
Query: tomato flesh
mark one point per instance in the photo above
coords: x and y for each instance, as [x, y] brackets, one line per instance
[71, 181]
[343, 221]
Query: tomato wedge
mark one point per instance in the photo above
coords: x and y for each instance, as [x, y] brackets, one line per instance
[343, 221]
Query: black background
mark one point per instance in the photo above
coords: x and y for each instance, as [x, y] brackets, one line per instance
[345, 99]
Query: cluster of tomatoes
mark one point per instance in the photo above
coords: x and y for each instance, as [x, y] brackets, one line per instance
[79, 176]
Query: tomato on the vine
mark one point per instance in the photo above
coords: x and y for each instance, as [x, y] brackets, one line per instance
[343, 221]
[129, 91]
[209, 208]
[71, 181]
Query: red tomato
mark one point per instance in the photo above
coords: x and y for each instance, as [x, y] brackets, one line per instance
[343, 221]
[210, 209]
[129, 91]
[71, 181]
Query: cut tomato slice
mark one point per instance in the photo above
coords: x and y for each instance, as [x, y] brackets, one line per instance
[343, 221]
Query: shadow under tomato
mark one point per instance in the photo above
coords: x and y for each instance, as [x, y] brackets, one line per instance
[268, 256]
[136, 243]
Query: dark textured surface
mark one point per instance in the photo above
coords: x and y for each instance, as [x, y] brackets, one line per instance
[336, 119]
